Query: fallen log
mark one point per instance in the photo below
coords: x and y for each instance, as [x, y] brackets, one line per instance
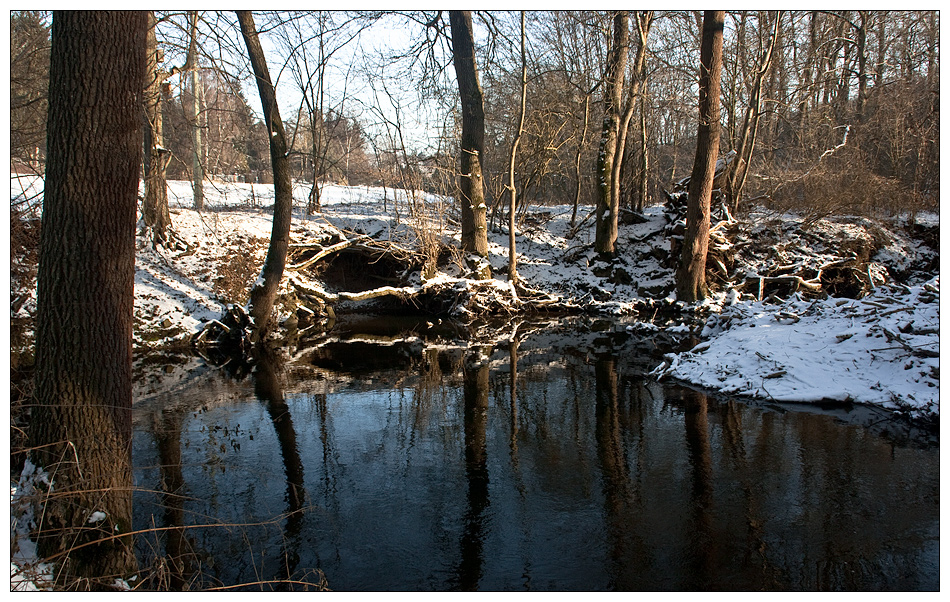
[319, 292]
[797, 282]
[322, 252]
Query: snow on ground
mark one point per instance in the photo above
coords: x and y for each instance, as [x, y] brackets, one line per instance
[27, 573]
[881, 350]
[788, 352]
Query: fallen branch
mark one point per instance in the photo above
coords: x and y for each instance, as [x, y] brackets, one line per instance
[324, 251]
[301, 286]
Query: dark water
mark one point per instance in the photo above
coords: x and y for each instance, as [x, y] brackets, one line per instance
[550, 463]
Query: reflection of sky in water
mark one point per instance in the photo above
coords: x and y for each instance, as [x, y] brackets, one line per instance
[620, 484]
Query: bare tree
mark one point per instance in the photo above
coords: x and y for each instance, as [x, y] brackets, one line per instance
[643, 19]
[81, 425]
[29, 85]
[264, 293]
[155, 212]
[691, 275]
[191, 66]
[513, 204]
[473, 209]
[312, 39]
[750, 123]
[608, 198]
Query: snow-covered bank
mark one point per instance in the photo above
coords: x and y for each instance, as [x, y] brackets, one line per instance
[881, 350]
[792, 350]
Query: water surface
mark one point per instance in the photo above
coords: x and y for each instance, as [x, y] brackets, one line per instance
[546, 461]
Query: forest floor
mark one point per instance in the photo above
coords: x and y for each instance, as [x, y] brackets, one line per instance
[766, 331]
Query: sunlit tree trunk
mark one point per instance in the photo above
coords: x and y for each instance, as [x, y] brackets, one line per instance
[264, 293]
[608, 197]
[643, 198]
[155, 212]
[512, 255]
[81, 424]
[191, 65]
[473, 209]
[691, 275]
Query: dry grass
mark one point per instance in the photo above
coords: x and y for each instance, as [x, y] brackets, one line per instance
[236, 273]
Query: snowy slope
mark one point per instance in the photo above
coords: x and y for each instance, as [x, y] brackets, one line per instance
[880, 350]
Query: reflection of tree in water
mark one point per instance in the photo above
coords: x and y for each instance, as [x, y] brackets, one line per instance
[267, 387]
[699, 450]
[180, 556]
[475, 375]
[755, 559]
[619, 416]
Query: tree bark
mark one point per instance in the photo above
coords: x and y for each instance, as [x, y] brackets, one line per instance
[81, 425]
[512, 255]
[691, 275]
[191, 64]
[861, 32]
[473, 209]
[264, 293]
[155, 212]
[643, 181]
[577, 161]
[608, 199]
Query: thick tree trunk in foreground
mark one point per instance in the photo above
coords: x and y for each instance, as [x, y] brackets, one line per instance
[608, 197]
[155, 204]
[691, 275]
[473, 209]
[264, 294]
[81, 425]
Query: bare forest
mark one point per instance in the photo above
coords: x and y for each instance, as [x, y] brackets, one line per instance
[682, 173]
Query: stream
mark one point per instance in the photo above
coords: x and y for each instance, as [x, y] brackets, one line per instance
[400, 455]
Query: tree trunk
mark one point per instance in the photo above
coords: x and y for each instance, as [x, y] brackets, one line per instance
[191, 64]
[512, 255]
[608, 199]
[81, 425]
[644, 20]
[155, 204]
[473, 210]
[643, 198]
[861, 32]
[577, 160]
[264, 293]
[313, 201]
[750, 124]
[691, 275]
[881, 64]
